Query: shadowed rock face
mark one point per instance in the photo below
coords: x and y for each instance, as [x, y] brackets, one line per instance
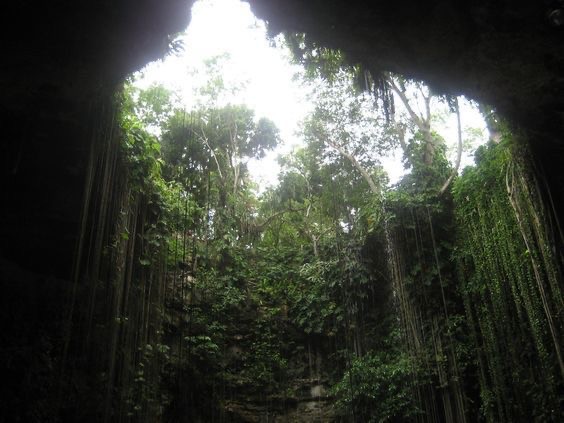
[65, 61]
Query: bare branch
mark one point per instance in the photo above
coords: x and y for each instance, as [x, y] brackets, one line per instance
[459, 153]
[424, 124]
[204, 139]
[373, 187]
[276, 215]
[416, 118]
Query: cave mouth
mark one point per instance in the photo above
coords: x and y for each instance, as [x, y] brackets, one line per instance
[225, 39]
[144, 281]
[328, 296]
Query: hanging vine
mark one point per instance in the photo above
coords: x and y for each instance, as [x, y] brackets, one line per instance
[511, 285]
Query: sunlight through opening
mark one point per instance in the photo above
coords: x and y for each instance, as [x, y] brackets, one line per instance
[262, 75]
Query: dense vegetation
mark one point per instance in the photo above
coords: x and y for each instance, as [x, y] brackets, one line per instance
[437, 299]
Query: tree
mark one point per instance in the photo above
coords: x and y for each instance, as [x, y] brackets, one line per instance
[431, 141]
[153, 106]
[346, 121]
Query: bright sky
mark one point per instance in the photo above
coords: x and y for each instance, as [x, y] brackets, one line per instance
[228, 26]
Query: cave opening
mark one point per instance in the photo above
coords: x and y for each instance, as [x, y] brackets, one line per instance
[146, 277]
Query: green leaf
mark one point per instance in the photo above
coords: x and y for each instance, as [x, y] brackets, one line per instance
[144, 262]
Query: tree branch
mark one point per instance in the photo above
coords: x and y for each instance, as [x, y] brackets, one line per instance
[459, 153]
[277, 214]
[373, 187]
[233, 159]
[204, 139]
[424, 125]
[414, 117]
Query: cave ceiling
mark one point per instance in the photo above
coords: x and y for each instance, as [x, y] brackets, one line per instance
[505, 53]
[508, 54]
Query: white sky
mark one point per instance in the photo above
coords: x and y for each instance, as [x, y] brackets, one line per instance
[228, 26]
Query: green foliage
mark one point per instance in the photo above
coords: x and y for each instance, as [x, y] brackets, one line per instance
[506, 285]
[377, 387]
[345, 119]
[428, 178]
[314, 308]
[140, 149]
[144, 392]
[318, 61]
[152, 106]
[412, 299]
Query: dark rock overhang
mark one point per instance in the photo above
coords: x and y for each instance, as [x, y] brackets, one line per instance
[506, 54]
[82, 45]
